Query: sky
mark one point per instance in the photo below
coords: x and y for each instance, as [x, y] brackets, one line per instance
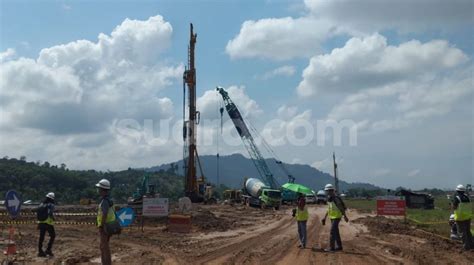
[387, 85]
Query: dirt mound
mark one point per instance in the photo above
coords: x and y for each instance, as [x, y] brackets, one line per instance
[206, 220]
[381, 226]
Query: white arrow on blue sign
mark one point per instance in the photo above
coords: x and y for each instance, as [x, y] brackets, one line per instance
[125, 216]
[13, 203]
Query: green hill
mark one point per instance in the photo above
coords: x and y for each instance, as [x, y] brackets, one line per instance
[34, 180]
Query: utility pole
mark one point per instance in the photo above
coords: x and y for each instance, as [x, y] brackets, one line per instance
[189, 77]
[336, 179]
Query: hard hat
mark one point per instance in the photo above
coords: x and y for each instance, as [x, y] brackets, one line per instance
[50, 195]
[103, 184]
[451, 217]
[329, 187]
[460, 188]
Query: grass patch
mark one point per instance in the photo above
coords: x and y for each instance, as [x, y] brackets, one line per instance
[435, 221]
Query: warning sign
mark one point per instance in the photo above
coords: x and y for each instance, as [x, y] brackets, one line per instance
[155, 207]
[391, 205]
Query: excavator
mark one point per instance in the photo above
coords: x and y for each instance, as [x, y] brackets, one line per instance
[145, 189]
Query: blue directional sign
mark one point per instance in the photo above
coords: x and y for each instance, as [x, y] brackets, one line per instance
[13, 203]
[125, 216]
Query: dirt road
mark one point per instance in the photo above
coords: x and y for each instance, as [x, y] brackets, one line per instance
[226, 234]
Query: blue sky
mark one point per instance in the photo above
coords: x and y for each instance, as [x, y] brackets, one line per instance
[400, 71]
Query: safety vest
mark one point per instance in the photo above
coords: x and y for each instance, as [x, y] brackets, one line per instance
[334, 212]
[302, 215]
[464, 210]
[48, 221]
[110, 215]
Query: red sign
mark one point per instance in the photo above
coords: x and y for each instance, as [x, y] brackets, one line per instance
[391, 206]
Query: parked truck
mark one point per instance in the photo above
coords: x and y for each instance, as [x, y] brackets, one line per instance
[256, 193]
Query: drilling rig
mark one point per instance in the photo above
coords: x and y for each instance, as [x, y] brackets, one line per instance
[195, 188]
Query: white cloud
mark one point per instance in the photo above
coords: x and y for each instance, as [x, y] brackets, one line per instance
[82, 86]
[64, 105]
[286, 112]
[370, 62]
[406, 16]
[7, 54]
[278, 38]
[210, 102]
[288, 38]
[286, 70]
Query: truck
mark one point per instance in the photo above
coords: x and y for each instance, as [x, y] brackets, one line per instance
[321, 197]
[256, 193]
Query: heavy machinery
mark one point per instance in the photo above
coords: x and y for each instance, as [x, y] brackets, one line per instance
[256, 193]
[145, 189]
[269, 184]
[195, 188]
[232, 196]
[336, 177]
[287, 196]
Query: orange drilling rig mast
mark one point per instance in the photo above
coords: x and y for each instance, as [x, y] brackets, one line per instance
[189, 126]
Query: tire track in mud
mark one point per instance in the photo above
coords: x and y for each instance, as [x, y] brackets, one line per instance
[240, 249]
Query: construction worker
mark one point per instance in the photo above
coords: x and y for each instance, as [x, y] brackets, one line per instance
[462, 215]
[302, 215]
[46, 224]
[105, 214]
[336, 210]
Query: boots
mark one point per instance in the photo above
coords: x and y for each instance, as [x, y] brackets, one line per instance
[41, 253]
[49, 253]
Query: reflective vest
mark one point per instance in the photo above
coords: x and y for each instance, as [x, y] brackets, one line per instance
[49, 220]
[302, 215]
[334, 212]
[464, 210]
[110, 215]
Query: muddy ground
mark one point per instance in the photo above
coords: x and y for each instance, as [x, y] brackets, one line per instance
[224, 234]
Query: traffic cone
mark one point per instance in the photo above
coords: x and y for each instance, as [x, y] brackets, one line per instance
[11, 246]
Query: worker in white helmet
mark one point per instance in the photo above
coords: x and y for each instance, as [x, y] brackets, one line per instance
[45, 217]
[105, 214]
[462, 207]
[336, 210]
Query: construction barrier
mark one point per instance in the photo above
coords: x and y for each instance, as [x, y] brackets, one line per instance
[56, 223]
[32, 214]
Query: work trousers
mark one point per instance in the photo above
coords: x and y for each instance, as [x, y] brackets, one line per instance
[464, 229]
[302, 232]
[105, 256]
[335, 237]
[52, 235]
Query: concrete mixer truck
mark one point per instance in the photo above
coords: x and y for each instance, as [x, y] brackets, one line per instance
[256, 193]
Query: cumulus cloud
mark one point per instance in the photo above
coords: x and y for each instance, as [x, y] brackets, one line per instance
[278, 38]
[210, 102]
[400, 105]
[370, 62]
[7, 54]
[286, 70]
[288, 38]
[406, 16]
[82, 86]
[71, 96]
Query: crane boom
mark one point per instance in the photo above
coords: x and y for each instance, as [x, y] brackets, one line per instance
[248, 140]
